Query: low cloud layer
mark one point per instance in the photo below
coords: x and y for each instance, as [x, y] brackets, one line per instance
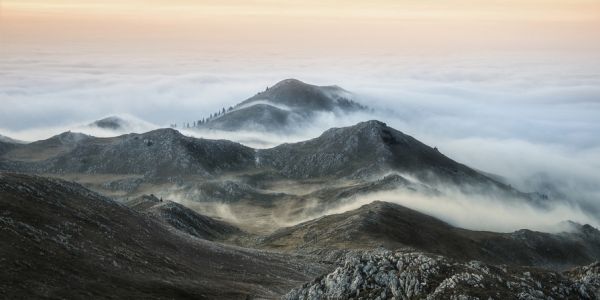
[481, 212]
[531, 118]
[474, 211]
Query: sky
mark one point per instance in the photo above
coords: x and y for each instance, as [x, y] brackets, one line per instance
[507, 86]
[301, 27]
[65, 61]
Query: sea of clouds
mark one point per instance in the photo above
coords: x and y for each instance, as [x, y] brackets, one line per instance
[530, 118]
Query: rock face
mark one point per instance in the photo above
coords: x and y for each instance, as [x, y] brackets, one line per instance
[288, 105]
[395, 226]
[413, 275]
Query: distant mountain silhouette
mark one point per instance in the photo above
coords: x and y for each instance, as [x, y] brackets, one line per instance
[287, 105]
[112, 123]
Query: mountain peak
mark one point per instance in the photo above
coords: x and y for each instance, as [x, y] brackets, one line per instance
[377, 205]
[6, 139]
[288, 105]
[71, 137]
[290, 82]
[110, 122]
[164, 132]
[371, 124]
[372, 131]
[367, 149]
[301, 96]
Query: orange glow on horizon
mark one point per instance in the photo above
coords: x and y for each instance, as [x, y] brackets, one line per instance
[296, 24]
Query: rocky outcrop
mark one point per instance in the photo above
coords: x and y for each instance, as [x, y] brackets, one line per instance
[413, 275]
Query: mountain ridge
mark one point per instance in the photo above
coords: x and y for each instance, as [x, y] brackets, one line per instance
[362, 151]
[394, 226]
[157, 153]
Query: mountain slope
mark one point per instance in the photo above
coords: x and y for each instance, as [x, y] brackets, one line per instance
[395, 226]
[259, 117]
[60, 240]
[45, 149]
[183, 219]
[7, 144]
[6, 139]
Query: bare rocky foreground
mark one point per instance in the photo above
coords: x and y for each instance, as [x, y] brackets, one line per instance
[381, 274]
[61, 240]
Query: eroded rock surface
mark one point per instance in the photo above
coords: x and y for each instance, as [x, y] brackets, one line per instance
[382, 274]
